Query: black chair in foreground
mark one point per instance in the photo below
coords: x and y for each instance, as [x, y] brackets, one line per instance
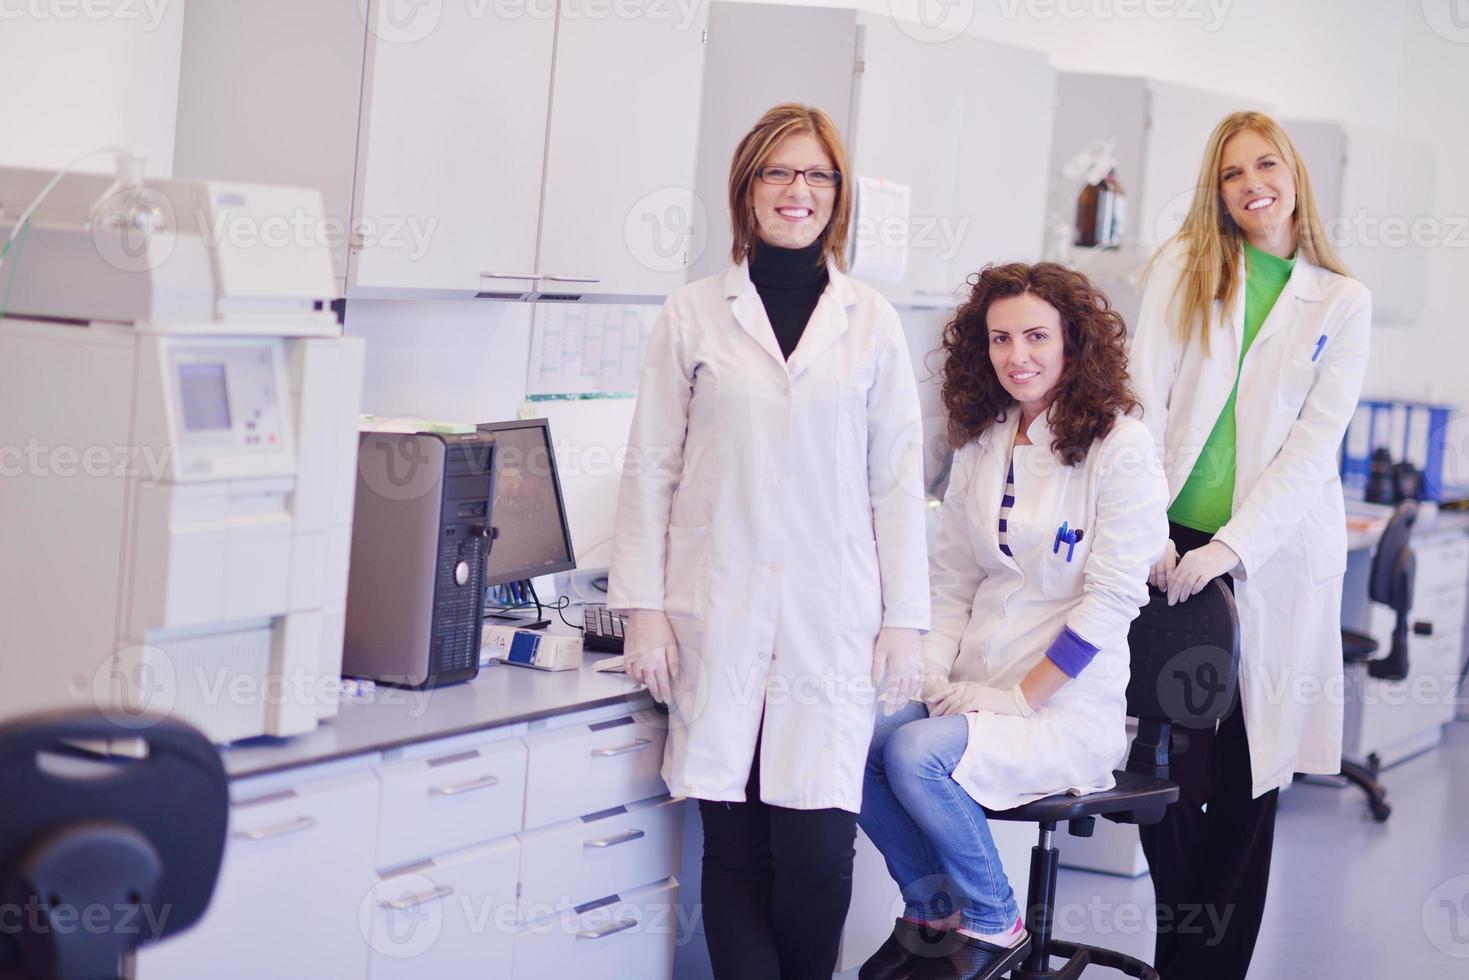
[1394, 567]
[1185, 664]
[100, 855]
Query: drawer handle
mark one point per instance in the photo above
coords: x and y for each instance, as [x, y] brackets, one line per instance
[626, 838]
[586, 279]
[636, 745]
[509, 275]
[279, 830]
[621, 925]
[414, 901]
[454, 789]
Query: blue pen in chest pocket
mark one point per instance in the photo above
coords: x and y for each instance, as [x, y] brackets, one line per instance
[1069, 536]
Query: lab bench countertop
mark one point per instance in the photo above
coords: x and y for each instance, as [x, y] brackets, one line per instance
[390, 718]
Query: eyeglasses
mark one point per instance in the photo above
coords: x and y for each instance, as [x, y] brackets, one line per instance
[818, 177]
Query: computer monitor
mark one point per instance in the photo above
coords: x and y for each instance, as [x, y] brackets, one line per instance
[532, 536]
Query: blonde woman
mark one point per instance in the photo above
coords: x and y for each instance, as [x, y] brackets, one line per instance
[770, 549]
[1248, 359]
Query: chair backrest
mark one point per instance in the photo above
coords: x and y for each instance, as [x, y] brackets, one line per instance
[1387, 561]
[1185, 658]
[1185, 672]
[135, 843]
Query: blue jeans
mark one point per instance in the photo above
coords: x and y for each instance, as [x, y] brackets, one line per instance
[934, 837]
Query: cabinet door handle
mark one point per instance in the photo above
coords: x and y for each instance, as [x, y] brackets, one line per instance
[414, 901]
[454, 789]
[279, 830]
[628, 837]
[621, 925]
[509, 275]
[587, 279]
[636, 745]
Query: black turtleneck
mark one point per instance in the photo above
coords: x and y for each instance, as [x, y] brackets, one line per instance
[789, 281]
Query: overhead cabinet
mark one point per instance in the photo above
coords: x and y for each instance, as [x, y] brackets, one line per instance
[916, 112]
[462, 149]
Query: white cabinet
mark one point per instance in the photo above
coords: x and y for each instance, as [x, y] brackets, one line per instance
[449, 917]
[297, 867]
[927, 117]
[618, 214]
[451, 147]
[627, 936]
[1375, 192]
[907, 110]
[454, 797]
[583, 769]
[1393, 720]
[462, 149]
[1159, 132]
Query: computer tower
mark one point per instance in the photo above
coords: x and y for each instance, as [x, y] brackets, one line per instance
[420, 536]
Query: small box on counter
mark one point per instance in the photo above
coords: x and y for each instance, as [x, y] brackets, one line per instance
[529, 648]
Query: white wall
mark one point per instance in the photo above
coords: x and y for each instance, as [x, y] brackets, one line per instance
[70, 82]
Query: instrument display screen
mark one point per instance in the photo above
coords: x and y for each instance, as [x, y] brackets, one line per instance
[204, 396]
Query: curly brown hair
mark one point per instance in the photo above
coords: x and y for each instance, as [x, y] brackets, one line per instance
[1093, 388]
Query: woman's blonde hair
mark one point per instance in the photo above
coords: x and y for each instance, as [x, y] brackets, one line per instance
[1209, 242]
[779, 122]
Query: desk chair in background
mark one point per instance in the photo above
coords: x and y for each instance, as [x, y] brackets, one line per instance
[1185, 663]
[1391, 583]
[94, 851]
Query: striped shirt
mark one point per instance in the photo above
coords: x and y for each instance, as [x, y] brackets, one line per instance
[1006, 503]
[1069, 651]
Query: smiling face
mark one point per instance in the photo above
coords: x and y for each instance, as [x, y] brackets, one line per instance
[793, 215]
[1259, 191]
[1027, 350]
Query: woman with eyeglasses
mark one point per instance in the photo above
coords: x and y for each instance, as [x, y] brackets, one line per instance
[1249, 354]
[769, 549]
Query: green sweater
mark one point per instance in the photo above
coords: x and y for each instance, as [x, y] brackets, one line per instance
[1206, 501]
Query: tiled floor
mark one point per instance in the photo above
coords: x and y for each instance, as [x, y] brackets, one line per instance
[1350, 899]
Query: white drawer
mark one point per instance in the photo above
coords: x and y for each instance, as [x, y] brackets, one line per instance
[584, 769]
[443, 803]
[296, 866]
[450, 917]
[1443, 563]
[628, 938]
[1444, 608]
[589, 857]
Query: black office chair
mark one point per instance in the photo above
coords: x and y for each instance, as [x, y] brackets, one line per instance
[99, 856]
[1391, 583]
[1185, 664]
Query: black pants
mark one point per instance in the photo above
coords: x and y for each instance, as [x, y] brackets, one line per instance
[777, 883]
[1211, 867]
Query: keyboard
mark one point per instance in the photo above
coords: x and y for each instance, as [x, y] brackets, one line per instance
[602, 629]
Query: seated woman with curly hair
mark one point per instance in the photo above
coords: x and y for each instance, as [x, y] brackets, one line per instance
[1055, 512]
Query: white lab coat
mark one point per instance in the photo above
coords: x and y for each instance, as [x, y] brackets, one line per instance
[1289, 523]
[774, 511]
[995, 616]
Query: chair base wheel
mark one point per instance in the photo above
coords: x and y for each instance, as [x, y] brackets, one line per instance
[1079, 957]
